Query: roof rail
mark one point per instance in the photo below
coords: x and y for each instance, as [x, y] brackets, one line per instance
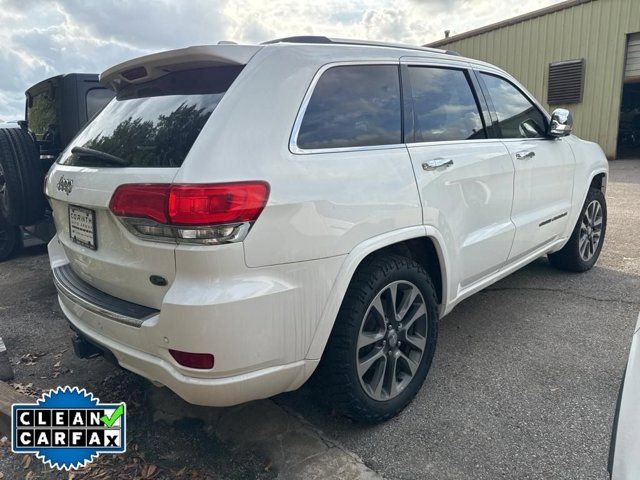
[346, 41]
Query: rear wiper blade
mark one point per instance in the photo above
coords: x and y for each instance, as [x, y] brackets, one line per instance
[90, 152]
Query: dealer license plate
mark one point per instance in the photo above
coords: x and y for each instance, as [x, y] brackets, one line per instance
[82, 226]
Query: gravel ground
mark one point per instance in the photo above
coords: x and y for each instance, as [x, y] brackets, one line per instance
[526, 374]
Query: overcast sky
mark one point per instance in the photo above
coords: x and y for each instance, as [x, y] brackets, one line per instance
[39, 39]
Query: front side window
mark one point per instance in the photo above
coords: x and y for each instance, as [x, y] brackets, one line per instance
[353, 106]
[444, 106]
[517, 116]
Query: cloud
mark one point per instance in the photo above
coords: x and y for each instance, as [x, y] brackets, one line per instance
[41, 39]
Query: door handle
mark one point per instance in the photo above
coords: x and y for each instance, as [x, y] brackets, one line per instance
[437, 163]
[525, 155]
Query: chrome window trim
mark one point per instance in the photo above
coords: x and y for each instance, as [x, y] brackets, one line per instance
[453, 142]
[293, 139]
[525, 139]
[409, 61]
[478, 140]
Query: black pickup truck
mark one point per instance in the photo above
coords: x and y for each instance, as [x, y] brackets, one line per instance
[56, 109]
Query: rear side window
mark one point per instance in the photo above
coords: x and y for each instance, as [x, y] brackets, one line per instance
[154, 124]
[517, 116]
[444, 106]
[353, 106]
[96, 99]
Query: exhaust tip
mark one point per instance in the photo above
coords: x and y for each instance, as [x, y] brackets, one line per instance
[85, 349]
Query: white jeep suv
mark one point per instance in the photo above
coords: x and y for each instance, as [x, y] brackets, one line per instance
[240, 216]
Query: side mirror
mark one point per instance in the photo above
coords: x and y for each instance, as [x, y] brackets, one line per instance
[561, 123]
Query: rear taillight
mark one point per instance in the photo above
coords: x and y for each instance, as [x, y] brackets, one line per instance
[206, 214]
[217, 204]
[141, 201]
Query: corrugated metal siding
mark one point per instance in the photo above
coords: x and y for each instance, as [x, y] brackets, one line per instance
[596, 31]
[632, 68]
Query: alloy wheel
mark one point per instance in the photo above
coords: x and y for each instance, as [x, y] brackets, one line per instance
[392, 340]
[590, 230]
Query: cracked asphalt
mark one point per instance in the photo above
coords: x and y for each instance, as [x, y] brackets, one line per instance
[526, 373]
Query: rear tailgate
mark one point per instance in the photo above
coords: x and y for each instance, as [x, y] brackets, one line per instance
[121, 263]
[141, 137]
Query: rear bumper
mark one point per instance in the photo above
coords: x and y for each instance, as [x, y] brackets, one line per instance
[76, 290]
[217, 392]
[257, 324]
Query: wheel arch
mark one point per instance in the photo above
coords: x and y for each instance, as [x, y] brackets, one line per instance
[408, 242]
[599, 180]
[596, 178]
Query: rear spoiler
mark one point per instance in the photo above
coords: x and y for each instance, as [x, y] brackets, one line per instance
[149, 67]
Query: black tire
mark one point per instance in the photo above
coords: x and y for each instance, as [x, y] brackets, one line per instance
[337, 376]
[10, 240]
[21, 199]
[570, 258]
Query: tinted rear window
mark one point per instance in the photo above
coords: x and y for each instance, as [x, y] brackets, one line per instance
[42, 112]
[353, 106]
[96, 99]
[155, 124]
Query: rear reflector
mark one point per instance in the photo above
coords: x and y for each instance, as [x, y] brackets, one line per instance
[192, 205]
[202, 361]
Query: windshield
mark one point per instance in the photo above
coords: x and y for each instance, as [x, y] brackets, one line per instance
[153, 124]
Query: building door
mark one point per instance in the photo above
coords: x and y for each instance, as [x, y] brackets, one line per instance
[632, 64]
[629, 127]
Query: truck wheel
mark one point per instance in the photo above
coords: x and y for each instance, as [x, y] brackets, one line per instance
[583, 248]
[10, 240]
[21, 199]
[383, 341]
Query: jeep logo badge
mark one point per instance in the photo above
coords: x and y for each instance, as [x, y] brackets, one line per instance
[65, 185]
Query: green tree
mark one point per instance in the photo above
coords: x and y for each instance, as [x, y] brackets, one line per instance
[164, 143]
[131, 140]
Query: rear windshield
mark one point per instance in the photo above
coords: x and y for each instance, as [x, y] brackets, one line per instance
[42, 112]
[153, 124]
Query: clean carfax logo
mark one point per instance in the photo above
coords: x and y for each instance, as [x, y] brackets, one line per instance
[65, 185]
[68, 427]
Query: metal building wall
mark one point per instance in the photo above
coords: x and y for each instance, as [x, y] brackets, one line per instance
[594, 30]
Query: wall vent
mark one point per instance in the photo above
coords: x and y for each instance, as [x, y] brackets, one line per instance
[566, 82]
